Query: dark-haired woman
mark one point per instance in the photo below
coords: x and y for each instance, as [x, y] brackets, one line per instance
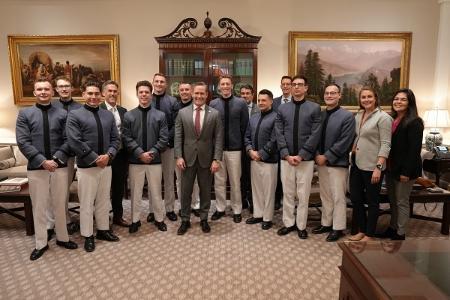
[370, 151]
[404, 162]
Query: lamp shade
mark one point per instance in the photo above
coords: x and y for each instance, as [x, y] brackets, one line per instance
[436, 118]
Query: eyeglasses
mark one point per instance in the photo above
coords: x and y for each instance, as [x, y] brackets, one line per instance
[64, 86]
[331, 93]
[299, 84]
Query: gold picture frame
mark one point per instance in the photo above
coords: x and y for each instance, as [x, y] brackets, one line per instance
[80, 57]
[351, 59]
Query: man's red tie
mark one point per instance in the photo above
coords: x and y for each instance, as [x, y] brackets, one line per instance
[197, 120]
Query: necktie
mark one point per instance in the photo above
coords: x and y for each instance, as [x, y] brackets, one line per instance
[197, 120]
[286, 100]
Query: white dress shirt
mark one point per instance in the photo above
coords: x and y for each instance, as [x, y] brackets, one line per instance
[286, 100]
[116, 114]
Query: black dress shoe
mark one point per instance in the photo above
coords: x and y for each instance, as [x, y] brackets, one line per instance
[196, 212]
[134, 227]
[266, 225]
[253, 220]
[106, 235]
[171, 216]
[217, 215]
[185, 225]
[237, 218]
[68, 245]
[38, 253]
[120, 222]
[397, 237]
[387, 234]
[303, 234]
[89, 244]
[334, 235]
[73, 227]
[161, 225]
[277, 205]
[285, 230]
[205, 226]
[321, 229]
[151, 218]
[50, 234]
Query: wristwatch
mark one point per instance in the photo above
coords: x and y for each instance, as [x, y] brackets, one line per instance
[379, 166]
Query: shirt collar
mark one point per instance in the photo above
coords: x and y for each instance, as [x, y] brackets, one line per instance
[110, 107]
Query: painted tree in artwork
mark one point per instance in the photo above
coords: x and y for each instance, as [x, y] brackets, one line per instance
[329, 80]
[372, 81]
[313, 71]
[385, 91]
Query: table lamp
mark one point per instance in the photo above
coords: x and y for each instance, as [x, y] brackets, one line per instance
[435, 119]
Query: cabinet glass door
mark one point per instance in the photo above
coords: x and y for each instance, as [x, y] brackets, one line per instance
[239, 65]
[183, 67]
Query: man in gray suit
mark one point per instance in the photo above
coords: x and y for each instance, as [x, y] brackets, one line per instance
[198, 150]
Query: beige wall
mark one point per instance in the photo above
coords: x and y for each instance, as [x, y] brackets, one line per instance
[138, 21]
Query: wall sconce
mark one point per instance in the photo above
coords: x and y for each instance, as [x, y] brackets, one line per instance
[434, 119]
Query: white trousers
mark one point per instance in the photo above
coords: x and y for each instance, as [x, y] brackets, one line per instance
[168, 168]
[264, 184]
[333, 185]
[71, 173]
[94, 187]
[137, 174]
[296, 182]
[48, 190]
[195, 204]
[229, 166]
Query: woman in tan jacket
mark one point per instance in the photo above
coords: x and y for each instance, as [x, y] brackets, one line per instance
[370, 150]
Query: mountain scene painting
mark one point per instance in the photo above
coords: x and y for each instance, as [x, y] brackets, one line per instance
[351, 64]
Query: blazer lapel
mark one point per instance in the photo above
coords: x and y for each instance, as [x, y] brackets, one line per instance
[190, 113]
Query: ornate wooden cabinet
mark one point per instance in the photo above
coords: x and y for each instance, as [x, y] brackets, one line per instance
[186, 57]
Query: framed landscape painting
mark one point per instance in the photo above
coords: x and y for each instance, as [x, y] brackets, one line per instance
[79, 57]
[352, 60]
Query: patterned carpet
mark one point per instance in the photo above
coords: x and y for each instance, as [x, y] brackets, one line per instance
[234, 261]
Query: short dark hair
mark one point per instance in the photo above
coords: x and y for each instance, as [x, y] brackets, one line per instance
[371, 89]
[160, 74]
[333, 84]
[226, 76]
[200, 83]
[90, 83]
[300, 77]
[42, 80]
[266, 92]
[63, 77]
[247, 87]
[286, 77]
[108, 82]
[144, 83]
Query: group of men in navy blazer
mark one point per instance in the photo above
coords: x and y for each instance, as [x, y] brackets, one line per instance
[230, 138]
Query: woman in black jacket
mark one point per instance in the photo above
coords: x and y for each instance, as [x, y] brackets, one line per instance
[404, 162]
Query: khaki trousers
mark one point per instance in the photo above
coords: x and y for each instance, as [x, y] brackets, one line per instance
[71, 173]
[399, 193]
[137, 174]
[94, 186]
[168, 168]
[296, 183]
[48, 190]
[195, 204]
[333, 186]
[264, 184]
[229, 166]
